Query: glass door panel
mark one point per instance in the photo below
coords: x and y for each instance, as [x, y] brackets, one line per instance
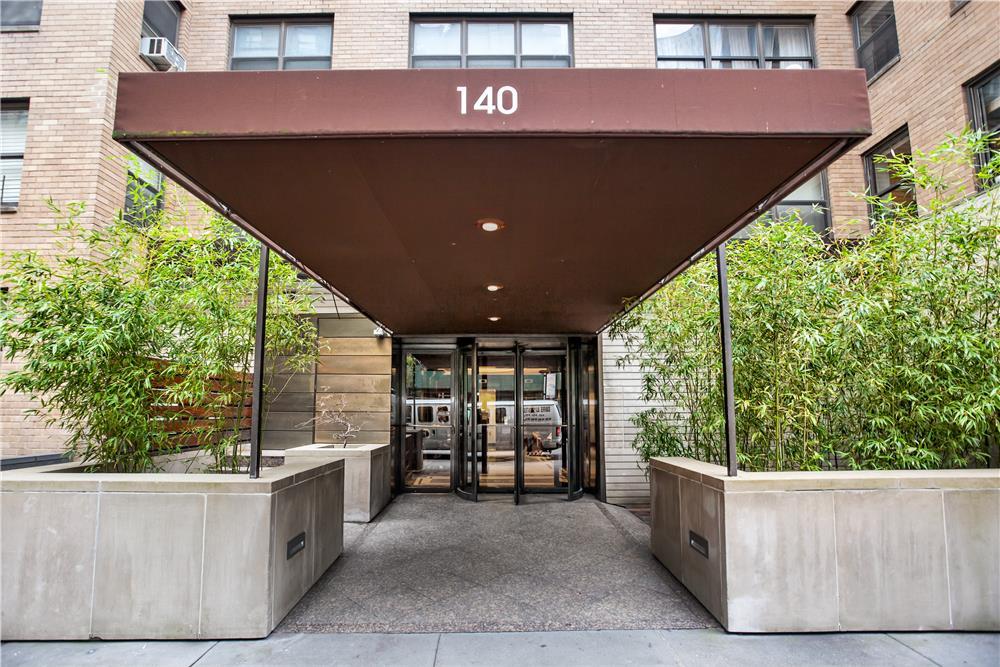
[545, 421]
[427, 415]
[467, 482]
[495, 419]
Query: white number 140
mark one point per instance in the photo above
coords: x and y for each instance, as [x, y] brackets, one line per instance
[505, 102]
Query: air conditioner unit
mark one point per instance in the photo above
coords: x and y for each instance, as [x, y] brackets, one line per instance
[161, 54]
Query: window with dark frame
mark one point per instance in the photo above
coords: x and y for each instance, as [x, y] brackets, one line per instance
[984, 110]
[285, 43]
[534, 41]
[20, 14]
[810, 201]
[724, 43]
[143, 193]
[875, 36]
[161, 18]
[13, 136]
[880, 181]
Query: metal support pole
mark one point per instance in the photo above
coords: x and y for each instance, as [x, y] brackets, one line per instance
[727, 360]
[258, 364]
[518, 422]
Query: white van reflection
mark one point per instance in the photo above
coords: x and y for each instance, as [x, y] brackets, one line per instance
[543, 426]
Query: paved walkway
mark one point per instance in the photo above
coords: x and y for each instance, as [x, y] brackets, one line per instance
[437, 563]
[607, 648]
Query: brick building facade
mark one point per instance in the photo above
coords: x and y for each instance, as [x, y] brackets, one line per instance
[64, 69]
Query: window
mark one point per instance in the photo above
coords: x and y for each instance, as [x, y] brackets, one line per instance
[958, 4]
[161, 18]
[811, 202]
[425, 414]
[728, 44]
[984, 107]
[481, 42]
[144, 192]
[13, 132]
[880, 182]
[875, 36]
[287, 44]
[20, 14]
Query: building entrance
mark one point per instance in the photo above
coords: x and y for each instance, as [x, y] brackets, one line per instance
[496, 416]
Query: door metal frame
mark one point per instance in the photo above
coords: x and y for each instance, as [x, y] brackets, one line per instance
[400, 474]
[518, 443]
[465, 439]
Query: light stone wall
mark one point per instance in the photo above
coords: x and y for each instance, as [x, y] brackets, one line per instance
[162, 555]
[367, 472]
[833, 551]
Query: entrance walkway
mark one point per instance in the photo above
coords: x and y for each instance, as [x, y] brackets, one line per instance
[436, 563]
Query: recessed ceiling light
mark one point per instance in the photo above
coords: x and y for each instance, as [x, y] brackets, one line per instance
[494, 288]
[494, 319]
[490, 224]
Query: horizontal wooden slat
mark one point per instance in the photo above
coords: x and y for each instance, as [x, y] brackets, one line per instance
[179, 411]
[288, 421]
[381, 347]
[299, 382]
[291, 401]
[285, 439]
[367, 421]
[353, 383]
[345, 327]
[372, 437]
[187, 425]
[353, 402]
[355, 365]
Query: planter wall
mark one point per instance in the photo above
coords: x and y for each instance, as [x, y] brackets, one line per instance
[366, 475]
[163, 555]
[829, 551]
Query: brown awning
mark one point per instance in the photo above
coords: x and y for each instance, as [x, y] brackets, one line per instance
[607, 181]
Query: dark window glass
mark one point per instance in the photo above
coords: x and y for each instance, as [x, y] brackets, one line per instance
[726, 44]
[875, 36]
[13, 134]
[290, 44]
[161, 18]
[810, 201]
[506, 43]
[881, 182]
[143, 193]
[984, 104]
[20, 13]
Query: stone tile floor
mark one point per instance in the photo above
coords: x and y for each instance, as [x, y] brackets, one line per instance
[437, 563]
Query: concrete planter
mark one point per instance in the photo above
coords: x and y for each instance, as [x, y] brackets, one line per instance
[164, 555]
[828, 551]
[366, 475]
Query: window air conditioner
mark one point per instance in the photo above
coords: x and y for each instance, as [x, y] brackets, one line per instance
[161, 54]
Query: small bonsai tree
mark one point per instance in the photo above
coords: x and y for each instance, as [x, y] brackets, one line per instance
[335, 419]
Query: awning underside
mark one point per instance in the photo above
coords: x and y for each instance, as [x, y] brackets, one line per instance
[589, 220]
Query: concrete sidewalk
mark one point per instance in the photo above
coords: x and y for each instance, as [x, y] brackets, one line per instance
[604, 648]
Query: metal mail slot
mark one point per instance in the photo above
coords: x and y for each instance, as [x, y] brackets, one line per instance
[698, 543]
[295, 545]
